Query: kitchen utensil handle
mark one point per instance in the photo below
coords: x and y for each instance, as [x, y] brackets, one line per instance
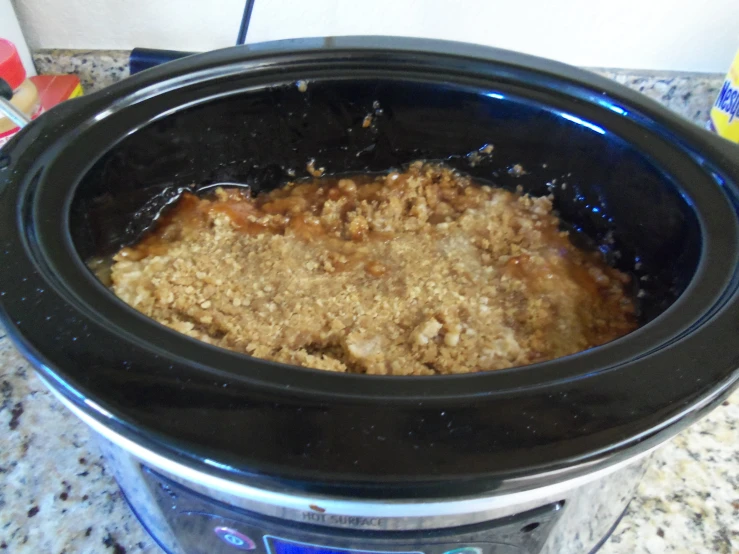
[245, 20]
[8, 109]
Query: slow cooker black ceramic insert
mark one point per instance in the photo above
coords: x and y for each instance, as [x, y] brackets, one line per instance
[218, 451]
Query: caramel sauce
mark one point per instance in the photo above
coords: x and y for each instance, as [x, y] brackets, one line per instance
[298, 205]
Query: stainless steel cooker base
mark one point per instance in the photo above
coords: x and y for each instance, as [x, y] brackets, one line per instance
[188, 511]
[569, 520]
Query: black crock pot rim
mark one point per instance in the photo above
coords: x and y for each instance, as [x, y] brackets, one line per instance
[353, 43]
[410, 381]
[86, 274]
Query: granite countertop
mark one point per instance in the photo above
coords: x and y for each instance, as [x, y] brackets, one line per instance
[57, 497]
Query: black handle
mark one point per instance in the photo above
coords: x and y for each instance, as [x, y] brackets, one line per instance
[5, 90]
[144, 58]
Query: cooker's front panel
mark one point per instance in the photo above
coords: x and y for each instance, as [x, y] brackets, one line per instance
[204, 526]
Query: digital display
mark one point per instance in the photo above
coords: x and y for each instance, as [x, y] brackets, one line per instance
[276, 545]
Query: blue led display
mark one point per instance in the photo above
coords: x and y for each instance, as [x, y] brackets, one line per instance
[276, 545]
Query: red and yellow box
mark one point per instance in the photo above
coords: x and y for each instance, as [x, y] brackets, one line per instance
[55, 89]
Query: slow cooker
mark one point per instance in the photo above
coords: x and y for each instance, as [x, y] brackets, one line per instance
[218, 452]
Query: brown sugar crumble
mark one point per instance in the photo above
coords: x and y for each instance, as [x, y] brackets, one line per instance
[415, 273]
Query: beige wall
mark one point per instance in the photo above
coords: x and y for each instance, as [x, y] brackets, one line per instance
[647, 34]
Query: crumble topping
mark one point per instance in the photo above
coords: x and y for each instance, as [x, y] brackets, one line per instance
[414, 273]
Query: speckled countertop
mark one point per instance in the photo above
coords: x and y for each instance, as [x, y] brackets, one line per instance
[56, 496]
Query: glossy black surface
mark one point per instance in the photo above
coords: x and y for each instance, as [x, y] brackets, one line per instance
[664, 189]
[604, 187]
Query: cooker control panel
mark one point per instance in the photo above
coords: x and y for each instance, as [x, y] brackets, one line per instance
[203, 525]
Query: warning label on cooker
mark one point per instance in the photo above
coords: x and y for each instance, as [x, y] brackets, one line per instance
[343, 521]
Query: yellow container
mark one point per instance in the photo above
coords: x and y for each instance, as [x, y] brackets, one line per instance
[725, 112]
